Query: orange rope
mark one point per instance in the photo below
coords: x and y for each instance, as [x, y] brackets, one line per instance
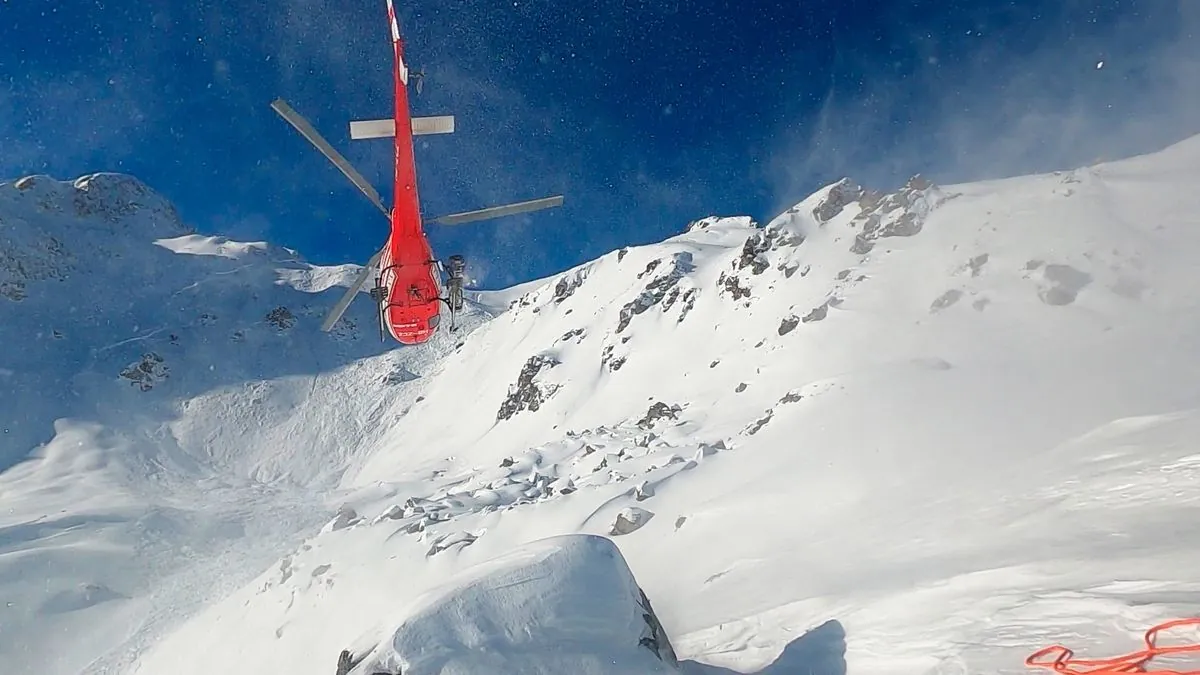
[1060, 659]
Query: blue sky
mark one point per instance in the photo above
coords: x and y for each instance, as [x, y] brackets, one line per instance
[646, 115]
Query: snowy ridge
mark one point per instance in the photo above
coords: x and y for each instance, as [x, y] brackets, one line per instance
[926, 431]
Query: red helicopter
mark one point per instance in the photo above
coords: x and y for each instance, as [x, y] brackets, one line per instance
[408, 286]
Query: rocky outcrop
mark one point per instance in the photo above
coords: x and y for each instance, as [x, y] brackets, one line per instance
[842, 194]
[566, 287]
[818, 313]
[527, 393]
[730, 283]
[39, 258]
[899, 214]
[281, 318]
[629, 520]
[657, 289]
[788, 324]
[608, 360]
[146, 372]
[659, 411]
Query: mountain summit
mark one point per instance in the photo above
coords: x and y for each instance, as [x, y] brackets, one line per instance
[896, 432]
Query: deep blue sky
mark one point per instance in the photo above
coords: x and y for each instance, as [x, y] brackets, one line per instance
[645, 114]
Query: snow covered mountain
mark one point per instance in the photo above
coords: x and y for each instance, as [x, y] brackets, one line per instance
[929, 431]
[165, 404]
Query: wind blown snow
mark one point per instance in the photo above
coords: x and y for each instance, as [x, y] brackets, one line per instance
[925, 431]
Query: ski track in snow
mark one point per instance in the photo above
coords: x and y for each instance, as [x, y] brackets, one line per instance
[929, 431]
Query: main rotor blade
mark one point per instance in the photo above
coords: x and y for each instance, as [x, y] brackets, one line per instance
[499, 211]
[344, 302]
[296, 120]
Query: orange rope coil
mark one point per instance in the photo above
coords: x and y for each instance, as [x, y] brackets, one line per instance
[1061, 660]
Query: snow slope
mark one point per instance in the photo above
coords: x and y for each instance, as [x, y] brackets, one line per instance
[928, 431]
[169, 418]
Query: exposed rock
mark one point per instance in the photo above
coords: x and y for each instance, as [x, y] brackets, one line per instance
[449, 541]
[659, 411]
[399, 376]
[527, 393]
[862, 245]
[945, 300]
[791, 397]
[613, 363]
[24, 262]
[732, 285]
[13, 290]
[643, 491]
[650, 267]
[146, 372]
[1065, 284]
[760, 423]
[760, 243]
[818, 313]
[670, 299]
[841, 195]
[393, 512]
[346, 517]
[281, 318]
[566, 287]
[576, 333]
[752, 252]
[630, 519]
[975, 265]
[656, 289]
[689, 301]
[899, 214]
[788, 324]
[525, 300]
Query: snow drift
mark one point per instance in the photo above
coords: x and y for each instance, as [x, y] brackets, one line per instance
[561, 605]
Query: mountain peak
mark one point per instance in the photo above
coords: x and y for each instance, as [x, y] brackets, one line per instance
[104, 197]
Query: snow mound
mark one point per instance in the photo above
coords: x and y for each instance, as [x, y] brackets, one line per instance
[564, 604]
